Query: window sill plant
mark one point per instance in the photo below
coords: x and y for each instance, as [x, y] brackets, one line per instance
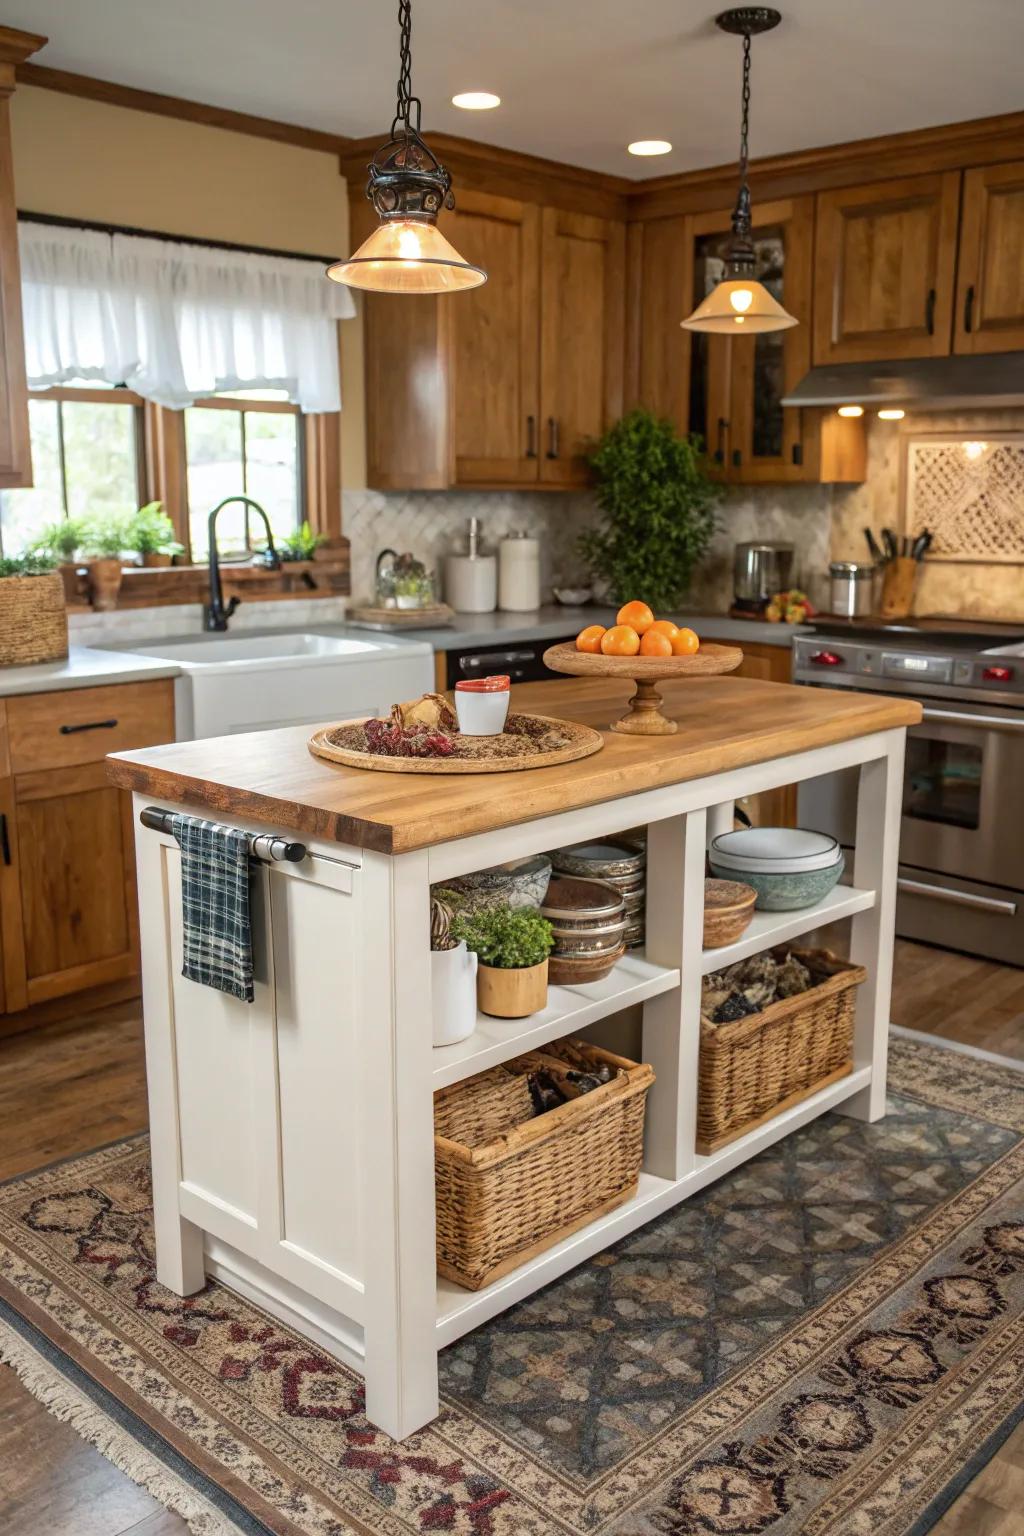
[150, 533]
[33, 617]
[61, 542]
[104, 543]
[301, 545]
[512, 947]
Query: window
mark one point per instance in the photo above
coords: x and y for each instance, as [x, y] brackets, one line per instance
[247, 443]
[87, 460]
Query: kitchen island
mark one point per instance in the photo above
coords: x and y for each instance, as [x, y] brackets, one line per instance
[292, 1139]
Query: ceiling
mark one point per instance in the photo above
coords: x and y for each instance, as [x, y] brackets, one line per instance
[579, 79]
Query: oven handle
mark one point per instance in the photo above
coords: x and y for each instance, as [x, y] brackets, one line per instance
[954, 718]
[957, 898]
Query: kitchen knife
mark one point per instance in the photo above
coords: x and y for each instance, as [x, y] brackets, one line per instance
[873, 549]
[889, 544]
[922, 544]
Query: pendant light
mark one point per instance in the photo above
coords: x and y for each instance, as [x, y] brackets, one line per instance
[739, 304]
[408, 187]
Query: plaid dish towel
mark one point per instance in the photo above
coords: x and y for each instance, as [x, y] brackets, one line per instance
[216, 928]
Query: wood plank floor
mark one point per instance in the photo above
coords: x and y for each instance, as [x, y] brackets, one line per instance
[76, 1085]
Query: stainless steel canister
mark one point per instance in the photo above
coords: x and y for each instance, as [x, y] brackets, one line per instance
[852, 588]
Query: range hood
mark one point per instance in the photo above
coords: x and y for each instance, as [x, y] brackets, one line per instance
[921, 384]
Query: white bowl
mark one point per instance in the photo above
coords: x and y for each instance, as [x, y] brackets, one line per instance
[775, 850]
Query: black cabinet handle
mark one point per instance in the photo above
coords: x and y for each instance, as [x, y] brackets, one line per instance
[969, 309]
[798, 453]
[720, 450]
[552, 438]
[88, 725]
[929, 312]
[5, 842]
[737, 458]
[531, 437]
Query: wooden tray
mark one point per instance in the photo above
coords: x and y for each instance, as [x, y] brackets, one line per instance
[437, 616]
[584, 741]
[644, 716]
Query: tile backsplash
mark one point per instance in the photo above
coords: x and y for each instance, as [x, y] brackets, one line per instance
[432, 523]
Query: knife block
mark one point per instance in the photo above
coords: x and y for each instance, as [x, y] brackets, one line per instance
[898, 585]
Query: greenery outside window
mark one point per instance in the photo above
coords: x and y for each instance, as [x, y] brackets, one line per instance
[251, 443]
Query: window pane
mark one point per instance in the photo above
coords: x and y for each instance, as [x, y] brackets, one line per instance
[99, 458]
[272, 470]
[213, 445]
[24, 513]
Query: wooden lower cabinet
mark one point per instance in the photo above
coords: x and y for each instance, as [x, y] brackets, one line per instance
[68, 916]
[770, 664]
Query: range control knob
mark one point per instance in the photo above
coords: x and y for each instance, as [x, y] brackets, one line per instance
[826, 659]
[997, 674]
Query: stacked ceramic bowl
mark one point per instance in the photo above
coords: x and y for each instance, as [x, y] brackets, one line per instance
[620, 862]
[788, 867]
[588, 922]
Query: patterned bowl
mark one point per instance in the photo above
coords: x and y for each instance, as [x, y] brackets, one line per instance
[786, 892]
[521, 883]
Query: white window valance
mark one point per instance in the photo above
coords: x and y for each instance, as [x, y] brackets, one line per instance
[177, 322]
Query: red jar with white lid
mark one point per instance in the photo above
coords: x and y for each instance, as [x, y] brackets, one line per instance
[481, 704]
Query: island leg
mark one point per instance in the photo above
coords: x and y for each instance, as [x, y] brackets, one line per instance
[397, 1145]
[875, 865]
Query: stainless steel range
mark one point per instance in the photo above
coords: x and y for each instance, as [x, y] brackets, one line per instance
[962, 840]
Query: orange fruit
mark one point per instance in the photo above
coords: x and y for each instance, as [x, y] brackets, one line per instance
[620, 640]
[685, 643]
[664, 627]
[637, 615]
[656, 643]
[589, 639]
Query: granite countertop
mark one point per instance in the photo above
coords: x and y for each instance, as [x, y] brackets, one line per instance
[555, 622]
[83, 668]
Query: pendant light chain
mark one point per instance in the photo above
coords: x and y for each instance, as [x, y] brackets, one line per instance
[406, 100]
[745, 118]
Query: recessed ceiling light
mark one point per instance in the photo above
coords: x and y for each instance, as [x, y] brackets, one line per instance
[649, 147]
[476, 101]
[851, 410]
[894, 414]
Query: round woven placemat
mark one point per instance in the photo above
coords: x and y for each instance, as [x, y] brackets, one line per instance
[582, 741]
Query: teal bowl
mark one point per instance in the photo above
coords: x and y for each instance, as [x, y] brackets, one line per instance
[785, 892]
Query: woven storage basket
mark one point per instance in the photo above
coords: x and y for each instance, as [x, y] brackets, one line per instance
[754, 1067]
[508, 1184]
[33, 619]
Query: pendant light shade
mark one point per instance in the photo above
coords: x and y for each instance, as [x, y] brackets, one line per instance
[408, 186]
[740, 305]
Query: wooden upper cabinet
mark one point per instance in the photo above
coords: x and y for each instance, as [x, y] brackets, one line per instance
[885, 261]
[990, 284]
[581, 339]
[15, 448]
[494, 342]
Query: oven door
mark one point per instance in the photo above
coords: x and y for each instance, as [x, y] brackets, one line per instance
[961, 793]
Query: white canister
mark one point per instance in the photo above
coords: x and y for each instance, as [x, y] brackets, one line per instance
[481, 704]
[519, 574]
[471, 583]
[453, 993]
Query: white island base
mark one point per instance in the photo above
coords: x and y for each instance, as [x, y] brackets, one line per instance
[292, 1139]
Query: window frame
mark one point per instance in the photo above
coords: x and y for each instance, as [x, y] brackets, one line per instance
[243, 406]
[65, 394]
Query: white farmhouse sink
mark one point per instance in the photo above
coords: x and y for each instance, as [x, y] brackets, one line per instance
[256, 681]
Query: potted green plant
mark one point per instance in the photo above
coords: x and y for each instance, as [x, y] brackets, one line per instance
[150, 533]
[61, 541]
[33, 616]
[657, 503]
[512, 945]
[104, 543]
[301, 545]
[412, 585]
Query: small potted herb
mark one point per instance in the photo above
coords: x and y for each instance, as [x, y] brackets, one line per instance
[453, 972]
[301, 545]
[512, 945]
[33, 618]
[151, 534]
[61, 542]
[104, 543]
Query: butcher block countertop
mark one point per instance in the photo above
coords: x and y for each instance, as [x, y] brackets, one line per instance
[724, 723]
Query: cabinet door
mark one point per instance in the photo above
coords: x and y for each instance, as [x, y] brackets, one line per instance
[495, 341]
[76, 879]
[582, 316]
[990, 286]
[659, 283]
[885, 256]
[15, 452]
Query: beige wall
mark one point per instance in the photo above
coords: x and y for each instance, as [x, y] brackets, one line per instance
[88, 160]
[945, 588]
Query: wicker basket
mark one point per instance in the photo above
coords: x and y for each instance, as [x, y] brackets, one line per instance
[755, 1067]
[33, 619]
[509, 1184]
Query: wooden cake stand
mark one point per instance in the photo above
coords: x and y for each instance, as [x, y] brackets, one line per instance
[644, 716]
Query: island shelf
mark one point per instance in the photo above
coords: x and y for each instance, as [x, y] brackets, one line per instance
[292, 1139]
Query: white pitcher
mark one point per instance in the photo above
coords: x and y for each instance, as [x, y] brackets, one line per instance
[453, 993]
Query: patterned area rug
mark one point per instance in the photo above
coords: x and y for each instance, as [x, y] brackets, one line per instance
[829, 1340]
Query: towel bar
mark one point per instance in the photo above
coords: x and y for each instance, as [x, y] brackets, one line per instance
[261, 844]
